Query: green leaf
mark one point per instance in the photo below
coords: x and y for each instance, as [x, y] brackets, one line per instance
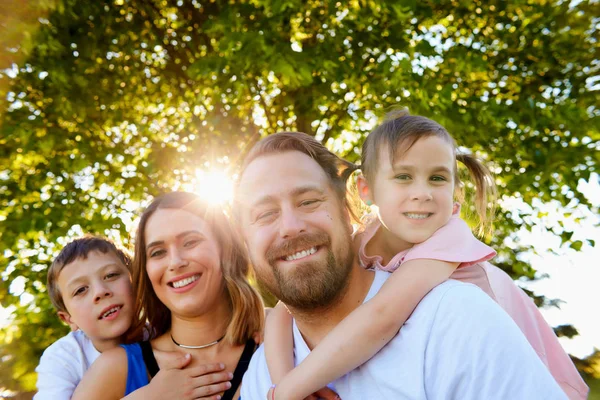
[576, 245]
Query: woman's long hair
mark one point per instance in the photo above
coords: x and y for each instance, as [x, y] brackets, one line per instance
[247, 308]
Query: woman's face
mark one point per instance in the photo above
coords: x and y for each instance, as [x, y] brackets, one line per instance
[183, 262]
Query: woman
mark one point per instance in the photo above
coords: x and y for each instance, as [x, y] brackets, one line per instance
[190, 273]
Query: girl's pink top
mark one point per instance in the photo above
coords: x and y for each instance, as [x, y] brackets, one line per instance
[454, 242]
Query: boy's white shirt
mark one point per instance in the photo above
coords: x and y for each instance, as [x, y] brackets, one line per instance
[62, 366]
[457, 344]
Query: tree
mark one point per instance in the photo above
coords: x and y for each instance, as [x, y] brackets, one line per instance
[120, 100]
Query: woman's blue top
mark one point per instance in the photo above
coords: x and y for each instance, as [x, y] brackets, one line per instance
[137, 376]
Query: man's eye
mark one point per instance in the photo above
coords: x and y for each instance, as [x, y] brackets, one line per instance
[265, 215]
[309, 202]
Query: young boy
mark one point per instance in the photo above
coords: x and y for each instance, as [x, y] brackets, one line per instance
[89, 284]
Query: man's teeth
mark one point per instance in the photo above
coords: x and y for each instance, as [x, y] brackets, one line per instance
[417, 215]
[109, 312]
[301, 254]
[186, 281]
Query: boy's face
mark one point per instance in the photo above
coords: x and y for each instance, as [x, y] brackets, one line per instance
[98, 296]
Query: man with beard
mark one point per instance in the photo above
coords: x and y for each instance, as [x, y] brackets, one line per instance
[292, 207]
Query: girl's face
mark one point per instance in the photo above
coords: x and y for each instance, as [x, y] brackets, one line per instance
[414, 197]
[183, 262]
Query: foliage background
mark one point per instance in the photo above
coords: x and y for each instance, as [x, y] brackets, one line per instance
[107, 103]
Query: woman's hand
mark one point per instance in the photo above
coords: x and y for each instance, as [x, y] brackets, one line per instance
[175, 381]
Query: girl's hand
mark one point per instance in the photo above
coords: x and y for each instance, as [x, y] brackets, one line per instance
[322, 394]
[201, 382]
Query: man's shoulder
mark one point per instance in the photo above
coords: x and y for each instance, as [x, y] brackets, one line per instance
[450, 304]
[449, 293]
[456, 300]
[456, 291]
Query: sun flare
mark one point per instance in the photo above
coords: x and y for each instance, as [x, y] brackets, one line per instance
[215, 186]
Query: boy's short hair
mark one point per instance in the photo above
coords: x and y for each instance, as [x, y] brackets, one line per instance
[79, 248]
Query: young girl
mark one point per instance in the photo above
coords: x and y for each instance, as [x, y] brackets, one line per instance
[410, 173]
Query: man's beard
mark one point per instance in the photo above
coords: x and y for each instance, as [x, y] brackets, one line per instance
[314, 284]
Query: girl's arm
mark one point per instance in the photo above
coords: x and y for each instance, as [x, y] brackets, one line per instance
[279, 343]
[366, 330]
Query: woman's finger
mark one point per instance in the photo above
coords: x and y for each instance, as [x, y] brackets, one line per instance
[205, 392]
[206, 369]
[209, 379]
[176, 362]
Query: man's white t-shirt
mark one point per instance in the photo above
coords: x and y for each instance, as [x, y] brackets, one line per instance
[62, 366]
[457, 344]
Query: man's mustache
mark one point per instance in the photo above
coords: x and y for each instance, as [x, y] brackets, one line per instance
[301, 242]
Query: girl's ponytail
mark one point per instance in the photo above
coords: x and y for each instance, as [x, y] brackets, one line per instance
[347, 169]
[485, 193]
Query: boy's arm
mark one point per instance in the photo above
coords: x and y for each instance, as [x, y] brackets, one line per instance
[174, 382]
[279, 343]
[106, 378]
[366, 330]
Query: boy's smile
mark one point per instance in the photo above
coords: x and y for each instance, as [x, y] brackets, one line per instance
[111, 312]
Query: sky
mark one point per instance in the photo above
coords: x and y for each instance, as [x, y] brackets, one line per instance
[574, 276]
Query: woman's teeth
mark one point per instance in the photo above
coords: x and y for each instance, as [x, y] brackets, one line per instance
[185, 282]
[417, 215]
[301, 254]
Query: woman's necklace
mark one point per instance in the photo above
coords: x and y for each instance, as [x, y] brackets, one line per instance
[202, 346]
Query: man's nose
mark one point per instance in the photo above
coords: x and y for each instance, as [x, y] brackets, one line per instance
[291, 223]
